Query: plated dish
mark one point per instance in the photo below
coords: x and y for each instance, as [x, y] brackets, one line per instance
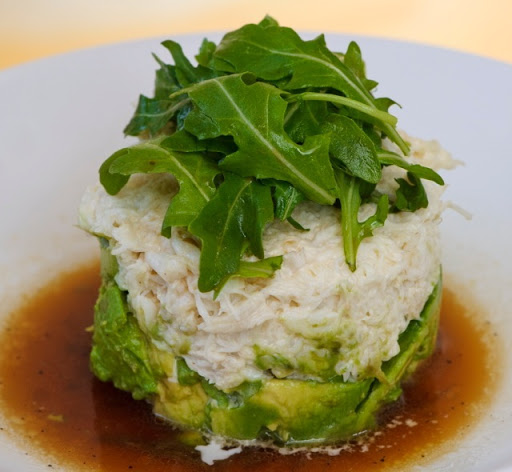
[80, 170]
[270, 250]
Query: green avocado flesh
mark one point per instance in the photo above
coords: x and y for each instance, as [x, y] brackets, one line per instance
[284, 411]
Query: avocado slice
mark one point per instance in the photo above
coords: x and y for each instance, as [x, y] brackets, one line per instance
[297, 412]
[284, 411]
[121, 352]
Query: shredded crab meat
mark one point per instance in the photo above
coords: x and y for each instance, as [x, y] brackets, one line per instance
[312, 299]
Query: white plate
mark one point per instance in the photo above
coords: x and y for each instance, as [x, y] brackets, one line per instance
[61, 117]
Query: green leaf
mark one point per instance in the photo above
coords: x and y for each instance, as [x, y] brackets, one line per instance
[353, 148]
[186, 73]
[352, 229]
[112, 182]
[275, 53]
[184, 141]
[304, 118]
[254, 115]
[364, 112]
[237, 213]
[353, 59]
[286, 198]
[265, 116]
[205, 56]
[152, 114]
[258, 210]
[182, 115]
[296, 224]
[268, 21]
[194, 172]
[390, 158]
[384, 103]
[411, 195]
[262, 269]
[373, 134]
[165, 80]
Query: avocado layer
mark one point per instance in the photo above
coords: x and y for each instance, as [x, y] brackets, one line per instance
[285, 411]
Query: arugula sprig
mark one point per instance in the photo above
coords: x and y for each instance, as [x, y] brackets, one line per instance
[353, 230]
[278, 54]
[264, 121]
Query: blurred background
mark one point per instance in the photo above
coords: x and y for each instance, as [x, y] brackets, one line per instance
[31, 29]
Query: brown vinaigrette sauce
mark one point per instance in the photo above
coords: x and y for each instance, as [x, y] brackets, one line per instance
[58, 411]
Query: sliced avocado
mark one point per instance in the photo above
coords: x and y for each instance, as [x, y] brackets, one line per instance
[108, 262]
[120, 351]
[186, 376]
[417, 342]
[184, 405]
[295, 412]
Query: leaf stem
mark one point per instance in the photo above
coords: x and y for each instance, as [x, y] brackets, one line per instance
[348, 102]
[350, 202]
[353, 230]
[390, 158]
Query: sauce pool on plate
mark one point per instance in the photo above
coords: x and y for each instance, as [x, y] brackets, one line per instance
[56, 410]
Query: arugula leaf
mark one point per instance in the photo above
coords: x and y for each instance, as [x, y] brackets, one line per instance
[184, 141]
[353, 59]
[363, 109]
[113, 182]
[152, 114]
[286, 198]
[275, 53]
[237, 213]
[182, 115]
[353, 230]
[258, 211]
[254, 115]
[264, 121]
[373, 134]
[205, 55]
[390, 158]
[304, 118]
[262, 269]
[186, 73]
[165, 79]
[268, 21]
[383, 103]
[194, 172]
[411, 195]
[353, 148]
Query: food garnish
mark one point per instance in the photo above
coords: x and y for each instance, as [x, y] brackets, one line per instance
[264, 121]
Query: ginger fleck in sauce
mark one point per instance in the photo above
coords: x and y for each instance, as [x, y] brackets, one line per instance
[58, 411]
